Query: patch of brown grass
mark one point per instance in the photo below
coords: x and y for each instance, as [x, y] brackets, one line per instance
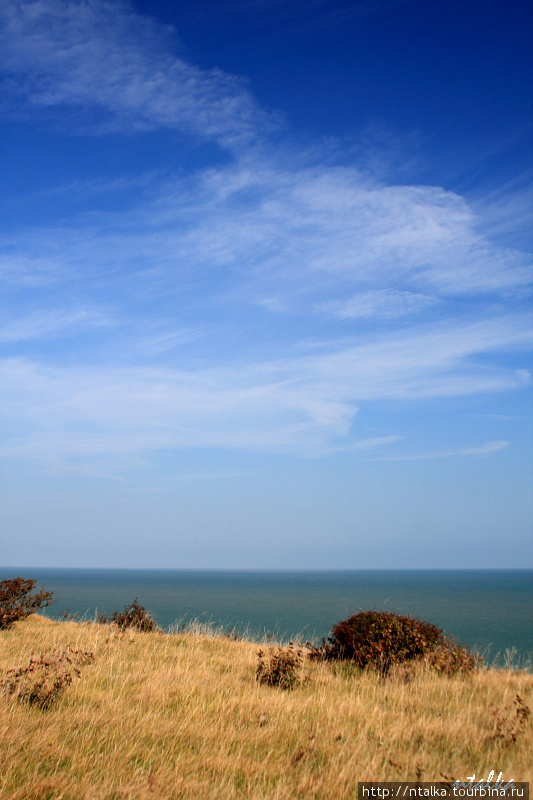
[159, 717]
[45, 677]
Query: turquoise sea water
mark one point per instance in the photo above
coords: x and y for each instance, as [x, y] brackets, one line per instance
[489, 609]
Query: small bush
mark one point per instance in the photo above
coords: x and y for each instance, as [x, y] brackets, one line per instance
[45, 677]
[451, 657]
[134, 616]
[18, 602]
[380, 640]
[507, 728]
[281, 667]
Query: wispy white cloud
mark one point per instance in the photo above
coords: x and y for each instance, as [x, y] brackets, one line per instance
[506, 210]
[116, 71]
[483, 450]
[44, 324]
[286, 236]
[161, 340]
[298, 405]
[358, 445]
[380, 304]
[29, 269]
[222, 282]
[106, 59]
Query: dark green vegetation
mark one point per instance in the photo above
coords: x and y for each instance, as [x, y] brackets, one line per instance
[18, 602]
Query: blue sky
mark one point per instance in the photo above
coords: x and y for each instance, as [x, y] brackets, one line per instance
[266, 273]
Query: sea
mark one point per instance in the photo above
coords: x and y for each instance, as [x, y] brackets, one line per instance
[490, 610]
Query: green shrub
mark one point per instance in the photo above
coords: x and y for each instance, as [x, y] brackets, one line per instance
[281, 667]
[18, 602]
[379, 640]
[134, 616]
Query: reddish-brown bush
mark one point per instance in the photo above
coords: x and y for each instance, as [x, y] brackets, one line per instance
[134, 616]
[451, 657]
[281, 667]
[380, 640]
[45, 677]
[18, 602]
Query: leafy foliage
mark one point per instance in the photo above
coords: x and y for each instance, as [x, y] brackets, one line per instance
[380, 640]
[281, 667]
[45, 677]
[17, 601]
[134, 616]
[451, 657]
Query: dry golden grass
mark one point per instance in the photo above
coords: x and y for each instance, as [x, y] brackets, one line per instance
[157, 717]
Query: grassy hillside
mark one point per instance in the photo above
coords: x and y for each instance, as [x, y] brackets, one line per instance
[155, 716]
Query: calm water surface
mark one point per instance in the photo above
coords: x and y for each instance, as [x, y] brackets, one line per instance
[484, 608]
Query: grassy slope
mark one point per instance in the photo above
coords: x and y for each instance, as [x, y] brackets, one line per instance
[182, 716]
